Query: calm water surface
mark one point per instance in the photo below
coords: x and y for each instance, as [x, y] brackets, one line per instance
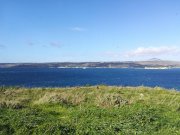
[56, 77]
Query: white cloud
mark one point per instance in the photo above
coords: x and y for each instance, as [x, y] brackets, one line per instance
[153, 51]
[78, 29]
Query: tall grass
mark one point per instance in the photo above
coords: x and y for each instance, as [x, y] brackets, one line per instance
[89, 110]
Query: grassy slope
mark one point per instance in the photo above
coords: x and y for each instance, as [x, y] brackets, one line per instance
[89, 110]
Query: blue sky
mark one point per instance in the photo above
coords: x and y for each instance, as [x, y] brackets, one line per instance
[89, 30]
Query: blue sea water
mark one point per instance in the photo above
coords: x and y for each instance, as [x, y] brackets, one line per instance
[62, 77]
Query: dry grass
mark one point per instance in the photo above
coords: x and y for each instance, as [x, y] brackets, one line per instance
[104, 96]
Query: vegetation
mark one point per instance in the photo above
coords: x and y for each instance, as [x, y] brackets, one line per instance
[89, 110]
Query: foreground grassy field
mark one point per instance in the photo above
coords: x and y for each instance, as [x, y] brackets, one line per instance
[89, 110]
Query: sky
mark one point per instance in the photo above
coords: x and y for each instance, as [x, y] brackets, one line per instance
[89, 30]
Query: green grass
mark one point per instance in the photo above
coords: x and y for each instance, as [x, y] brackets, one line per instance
[89, 110]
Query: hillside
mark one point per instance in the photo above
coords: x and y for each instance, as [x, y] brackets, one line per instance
[89, 110]
[126, 64]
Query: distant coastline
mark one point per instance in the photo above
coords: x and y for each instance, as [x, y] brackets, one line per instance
[148, 68]
[150, 64]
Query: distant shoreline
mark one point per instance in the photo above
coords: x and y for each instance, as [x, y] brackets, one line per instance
[125, 64]
[161, 68]
[146, 68]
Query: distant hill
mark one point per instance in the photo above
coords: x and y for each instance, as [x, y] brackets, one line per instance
[152, 63]
[154, 59]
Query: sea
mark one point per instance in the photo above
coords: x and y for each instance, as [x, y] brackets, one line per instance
[69, 77]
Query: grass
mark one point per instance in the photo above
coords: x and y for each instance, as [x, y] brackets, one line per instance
[90, 110]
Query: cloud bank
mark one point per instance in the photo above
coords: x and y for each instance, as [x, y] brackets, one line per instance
[153, 51]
